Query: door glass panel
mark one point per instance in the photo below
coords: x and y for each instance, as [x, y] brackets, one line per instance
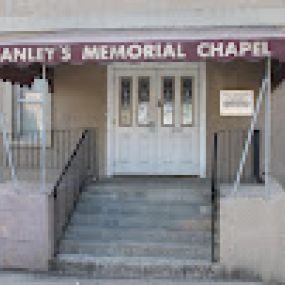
[125, 111]
[168, 101]
[186, 101]
[143, 101]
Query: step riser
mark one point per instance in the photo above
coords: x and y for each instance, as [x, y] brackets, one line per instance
[145, 219]
[191, 211]
[168, 194]
[151, 198]
[140, 225]
[146, 184]
[135, 272]
[195, 272]
[198, 252]
[101, 199]
[143, 225]
[139, 237]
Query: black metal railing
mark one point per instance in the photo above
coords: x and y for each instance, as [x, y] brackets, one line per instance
[70, 183]
[215, 194]
[227, 150]
[230, 146]
[26, 147]
[26, 150]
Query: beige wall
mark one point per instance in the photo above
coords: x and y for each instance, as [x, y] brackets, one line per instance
[252, 230]
[80, 100]
[232, 75]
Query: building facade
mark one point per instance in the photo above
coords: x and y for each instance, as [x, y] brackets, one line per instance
[157, 81]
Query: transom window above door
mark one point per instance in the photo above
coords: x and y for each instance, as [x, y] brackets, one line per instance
[150, 100]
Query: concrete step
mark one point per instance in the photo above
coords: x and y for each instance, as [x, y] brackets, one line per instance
[151, 197]
[145, 267]
[137, 249]
[54, 278]
[178, 182]
[138, 235]
[145, 221]
[149, 191]
[113, 207]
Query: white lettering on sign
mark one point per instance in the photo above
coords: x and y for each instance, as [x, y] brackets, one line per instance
[133, 52]
[117, 52]
[90, 52]
[66, 53]
[166, 51]
[236, 102]
[148, 51]
[29, 54]
[233, 49]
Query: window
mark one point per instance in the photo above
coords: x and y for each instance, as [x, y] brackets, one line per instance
[27, 117]
[186, 101]
[29, 112]
[143, 114]
[125, 110]
[168, 92]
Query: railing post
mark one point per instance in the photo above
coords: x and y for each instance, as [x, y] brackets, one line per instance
[43, 131]
[256, 155]
[267, 129]
[215, 198]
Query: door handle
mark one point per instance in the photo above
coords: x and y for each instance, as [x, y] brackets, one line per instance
[159, 103]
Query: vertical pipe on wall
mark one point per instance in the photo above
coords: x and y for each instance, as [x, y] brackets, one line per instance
[43, 131]
[267, 128]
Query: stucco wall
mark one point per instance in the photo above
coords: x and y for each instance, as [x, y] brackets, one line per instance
[80, 100]
[252, 230]
[26, 230]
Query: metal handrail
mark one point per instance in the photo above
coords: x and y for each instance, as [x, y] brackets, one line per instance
[25, 148]
[70, 183]
[250, 135]
[215, 194]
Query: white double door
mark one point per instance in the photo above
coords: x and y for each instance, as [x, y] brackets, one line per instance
[155, 122]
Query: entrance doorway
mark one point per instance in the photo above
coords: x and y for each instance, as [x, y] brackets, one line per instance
[155, 117]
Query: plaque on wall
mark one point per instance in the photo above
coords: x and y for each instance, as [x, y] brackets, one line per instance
[236, 102]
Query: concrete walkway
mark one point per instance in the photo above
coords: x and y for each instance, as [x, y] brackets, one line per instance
[11, 278]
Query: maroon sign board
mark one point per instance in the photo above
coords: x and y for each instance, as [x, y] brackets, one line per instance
[177, 51]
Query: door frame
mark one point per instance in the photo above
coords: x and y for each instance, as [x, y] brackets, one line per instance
[199, 67]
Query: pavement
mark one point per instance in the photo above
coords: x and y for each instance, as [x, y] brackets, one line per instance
[16, 278]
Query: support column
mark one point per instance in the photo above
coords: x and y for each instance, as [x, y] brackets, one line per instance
[267, 129]
[43, 131]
